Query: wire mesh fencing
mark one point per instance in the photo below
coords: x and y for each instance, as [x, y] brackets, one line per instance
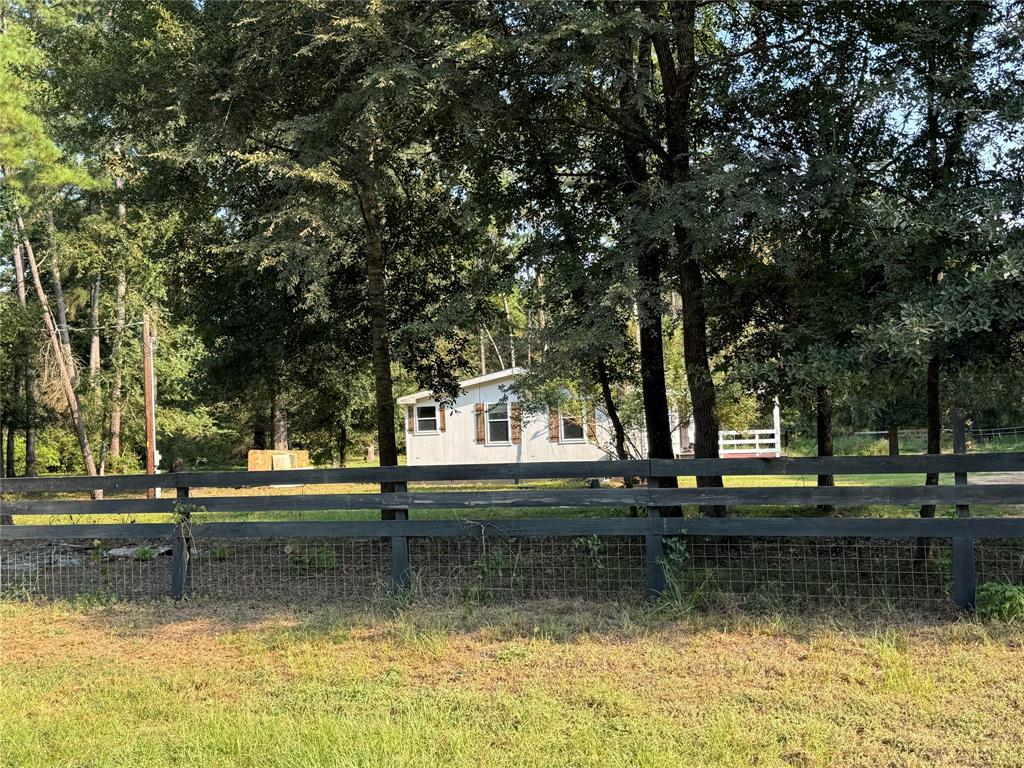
[756, 572]
[505, 568]
[71, 568]
[1000, 561]
[295, 570]
[792, 572]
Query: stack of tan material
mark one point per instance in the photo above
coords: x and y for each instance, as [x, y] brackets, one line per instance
[266, 460]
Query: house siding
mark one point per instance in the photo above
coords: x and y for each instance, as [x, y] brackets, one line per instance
[458, 445]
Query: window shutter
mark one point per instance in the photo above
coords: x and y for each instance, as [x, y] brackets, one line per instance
[553, 425]
[410, 417]
[592, 425]
[481, 426]
[516, 411]
[440, 417]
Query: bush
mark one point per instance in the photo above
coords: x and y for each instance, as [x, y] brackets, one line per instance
[997, 600]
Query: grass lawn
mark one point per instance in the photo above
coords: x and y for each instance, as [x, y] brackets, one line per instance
[538, 684]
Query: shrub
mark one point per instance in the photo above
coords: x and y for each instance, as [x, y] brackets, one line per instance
[996, 600]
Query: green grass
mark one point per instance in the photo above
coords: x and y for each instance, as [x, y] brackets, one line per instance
[557, 684]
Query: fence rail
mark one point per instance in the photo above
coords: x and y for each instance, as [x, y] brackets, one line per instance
[642, 468]
[850, 557]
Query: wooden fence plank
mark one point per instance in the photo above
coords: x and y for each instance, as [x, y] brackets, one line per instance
[863, 527]
[843, 465]
[842, 495]
[801, 527]
[130, 531]
[838, 465]
[446, 472]
[577, 497]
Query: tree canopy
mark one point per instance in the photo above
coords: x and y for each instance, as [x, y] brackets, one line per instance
[676, 210]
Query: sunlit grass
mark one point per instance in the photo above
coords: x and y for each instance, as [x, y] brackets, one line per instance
[555, 684]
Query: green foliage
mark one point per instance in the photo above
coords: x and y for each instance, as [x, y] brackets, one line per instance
[850, 191]
[997, 600]
[496, 564]
[185, 513]
[304, 557]
[682, 592]
[596, 550]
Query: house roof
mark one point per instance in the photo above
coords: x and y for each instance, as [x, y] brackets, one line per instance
[487, 378]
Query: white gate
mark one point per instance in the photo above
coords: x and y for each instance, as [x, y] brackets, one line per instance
[753, 442]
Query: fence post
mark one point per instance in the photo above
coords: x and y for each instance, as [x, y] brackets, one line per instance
[960, 448]
[654, 546]
[654, 557]
[965, 579]
[181, 551]
[400, 569]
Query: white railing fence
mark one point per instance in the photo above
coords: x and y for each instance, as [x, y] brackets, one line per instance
[749, 442]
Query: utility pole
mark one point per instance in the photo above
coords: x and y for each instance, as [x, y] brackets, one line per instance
[149, 384]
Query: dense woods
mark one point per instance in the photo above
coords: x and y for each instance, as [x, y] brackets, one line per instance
[661, 207]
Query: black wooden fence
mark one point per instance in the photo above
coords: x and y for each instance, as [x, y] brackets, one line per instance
[824, 554]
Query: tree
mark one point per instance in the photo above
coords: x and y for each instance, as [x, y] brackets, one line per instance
[954, 199]
[341, 103]
[31, 166]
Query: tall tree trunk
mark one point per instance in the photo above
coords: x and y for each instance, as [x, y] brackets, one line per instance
[62, 317]
[511, 337]
[649, 274]
[677, 69]
[30, 374]
[58, 298]
[31, 465]
[377, 299]
[893, 435]
[279, 421]
[698, 375]
[11, 472]
[67, 382]
[116, 352]
[823, 414]
[934, 425]
[496, 348]
[94, 346]
[117, 363]
[5, 465]
[8, 421]
[618, 432]
[4, 518]
[617, 429]
[341, 440]
[4, 419]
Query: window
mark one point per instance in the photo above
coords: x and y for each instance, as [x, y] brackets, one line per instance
[570, 428]
[498, 423]
[426, 418]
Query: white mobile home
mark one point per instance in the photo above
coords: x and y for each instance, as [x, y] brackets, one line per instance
[487, 424]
